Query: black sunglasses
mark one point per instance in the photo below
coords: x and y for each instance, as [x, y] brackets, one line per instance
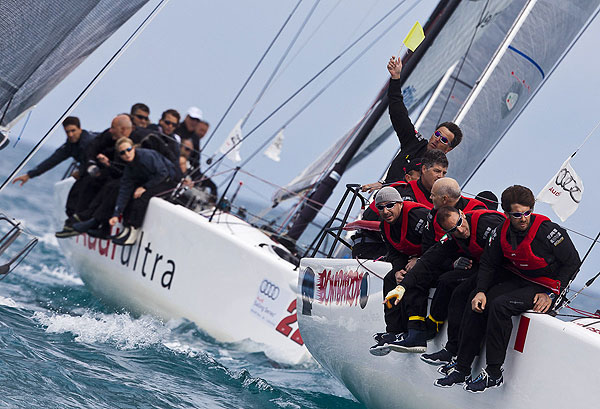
[145, 118]
[518, 215]
[458, 224]
[124, 151]
[169, 123]
[387, 206]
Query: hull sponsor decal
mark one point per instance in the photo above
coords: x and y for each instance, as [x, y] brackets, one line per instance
[342, 288]
[146, 261]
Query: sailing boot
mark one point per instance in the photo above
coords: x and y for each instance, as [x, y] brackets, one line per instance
[67, 230]
[132, 237]
[382, 340]
[446, 368]
[121, 236]
[102, 232]
[414, 341]
[454, 377]
[484, 381]
[440, 357]
[83, 227]
[127, 237]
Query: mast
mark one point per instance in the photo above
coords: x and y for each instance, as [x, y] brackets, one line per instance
[324, 189]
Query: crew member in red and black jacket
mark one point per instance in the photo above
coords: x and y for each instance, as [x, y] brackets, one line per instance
[528, 260]
[465, 238]
[433, 167]
[402, 227]
[412, 145]
[445, 192]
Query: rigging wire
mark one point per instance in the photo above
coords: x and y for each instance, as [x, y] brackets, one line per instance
[270, 79]
[88, 88]
[333, 80]
[307, 83]
[319, 25]
[23, 128]
[282, 59]
[586, 139]
[251, 74]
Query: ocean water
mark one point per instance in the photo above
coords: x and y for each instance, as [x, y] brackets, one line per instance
[60, 347]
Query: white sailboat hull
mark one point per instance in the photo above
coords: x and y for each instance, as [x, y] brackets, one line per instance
[224, 276]
[549, 364]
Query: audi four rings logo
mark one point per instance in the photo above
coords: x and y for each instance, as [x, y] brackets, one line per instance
[269, 289]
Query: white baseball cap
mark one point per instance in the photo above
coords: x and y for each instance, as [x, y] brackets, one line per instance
[195, 112]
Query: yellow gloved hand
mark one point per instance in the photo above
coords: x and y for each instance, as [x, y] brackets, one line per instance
[396, 293]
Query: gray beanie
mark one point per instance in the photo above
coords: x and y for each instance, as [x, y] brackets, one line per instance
[388, 194]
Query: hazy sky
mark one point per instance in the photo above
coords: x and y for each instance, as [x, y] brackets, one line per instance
[200, 52]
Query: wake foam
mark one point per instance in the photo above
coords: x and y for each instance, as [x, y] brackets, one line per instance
[49, 239]
[62, 274]
[9, 302]
[118, 329]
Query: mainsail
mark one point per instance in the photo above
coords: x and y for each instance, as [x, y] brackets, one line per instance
[43, 41]
[502, 52]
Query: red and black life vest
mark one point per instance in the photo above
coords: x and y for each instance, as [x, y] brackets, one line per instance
[474, 248]
[471, 204]
[522, 258]
[420, 196]
[404, 245]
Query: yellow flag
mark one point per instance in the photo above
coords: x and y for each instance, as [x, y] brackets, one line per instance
[415, 37]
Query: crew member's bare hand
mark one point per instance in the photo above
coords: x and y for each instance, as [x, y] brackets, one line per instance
[400, 276]
[103, 159]
[395, 67]
[138, 192]
[411, 263]
[113, 220]
[371, 187]
[75, 174]
[541, 302]
[478, 302]
[23, 179]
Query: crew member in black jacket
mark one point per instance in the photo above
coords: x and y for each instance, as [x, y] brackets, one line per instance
[147, 173]
[75, 147]
[446, 192]
[529, 259]
[461, 247]
[402, 226]
[412, 145]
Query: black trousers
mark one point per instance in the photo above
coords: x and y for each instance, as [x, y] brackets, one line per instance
[445, 286]
[506, 299]
[396, 318]
[103, 204]
[418, 295]
[136, 209]
[459, 301]
[83, 191]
